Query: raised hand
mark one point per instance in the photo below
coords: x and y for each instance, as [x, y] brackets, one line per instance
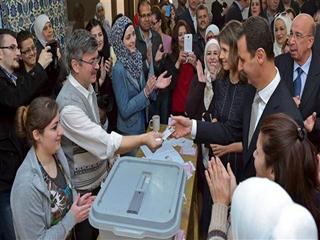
[163, 82]
[45, 57]
[201, 77]
[182, 126]
[150, 85]
[159, 54]
[218, 180]
[310, 121]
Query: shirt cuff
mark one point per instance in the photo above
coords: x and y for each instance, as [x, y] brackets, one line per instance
[194, 129]
[117, 139]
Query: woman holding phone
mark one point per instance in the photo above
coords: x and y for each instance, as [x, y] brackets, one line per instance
[44, 204]
[185, 64]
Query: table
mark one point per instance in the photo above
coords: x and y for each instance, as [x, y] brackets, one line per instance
[189, 216]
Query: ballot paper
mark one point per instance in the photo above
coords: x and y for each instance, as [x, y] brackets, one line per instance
[165, 152]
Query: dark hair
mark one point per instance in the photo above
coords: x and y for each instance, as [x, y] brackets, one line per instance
[201, 7]
[80, 42]
[229, 35]
[36, 116]
[159, 17]
[105, 51]
[258, 35]
[290, 10]
[4, 32]
[116, 18]
[293, 158]
[142, 3]
[24, 35]
[175, 38]
[261, 9]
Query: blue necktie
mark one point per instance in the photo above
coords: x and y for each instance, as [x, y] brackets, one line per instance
[297, 82]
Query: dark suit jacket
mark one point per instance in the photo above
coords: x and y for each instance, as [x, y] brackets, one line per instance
[142, 47]
[233, 13]
[187, 17]
[310, 99]
[12, 149]
[311, 92]
[279, 102]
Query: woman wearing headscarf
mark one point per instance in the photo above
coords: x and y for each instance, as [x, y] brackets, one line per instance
[100, 16]
[132, 92]
[281, 31]
[212, 31]
[44, 36]
[283, 155]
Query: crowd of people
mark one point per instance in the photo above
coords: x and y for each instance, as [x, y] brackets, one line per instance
[248, 92]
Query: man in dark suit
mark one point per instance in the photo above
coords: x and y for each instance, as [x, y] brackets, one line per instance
[235, 10]
[267, 96]
[190, 15]
[15, 90]
[299, 68]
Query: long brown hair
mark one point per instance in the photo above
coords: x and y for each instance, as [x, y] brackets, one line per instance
[36, 116]
[293, 158]
[229, 35]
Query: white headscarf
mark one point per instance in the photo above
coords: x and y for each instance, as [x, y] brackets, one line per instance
[277, 48]
[295, 222]
[212, 28]
[256, 207]
[208, 91]
[38, 26]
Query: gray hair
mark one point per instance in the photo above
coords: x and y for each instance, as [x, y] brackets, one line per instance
[79, 43]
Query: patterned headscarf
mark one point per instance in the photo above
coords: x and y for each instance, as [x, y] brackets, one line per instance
[131, 61]
[38, 26]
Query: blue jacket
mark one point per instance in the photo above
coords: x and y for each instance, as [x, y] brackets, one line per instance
[131, 101]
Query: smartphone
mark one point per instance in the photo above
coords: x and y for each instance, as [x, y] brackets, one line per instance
[53, 47]
[168, 10]
[188, 43]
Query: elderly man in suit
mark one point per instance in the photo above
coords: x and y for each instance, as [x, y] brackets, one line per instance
[267, 96]
[299, 69]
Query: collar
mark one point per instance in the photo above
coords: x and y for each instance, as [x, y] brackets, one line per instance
[86, 93]
[305, 67]
[239, 5]
[142, 35]
[12, 77]
[267, 92]
[192, 16]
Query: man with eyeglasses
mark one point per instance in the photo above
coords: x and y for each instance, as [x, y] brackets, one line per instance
[300, 70]
[15, 90]
[90, 150]
[29, 60]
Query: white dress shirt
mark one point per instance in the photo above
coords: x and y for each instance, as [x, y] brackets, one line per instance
[305, 69]
[265, 94]
[89, 135]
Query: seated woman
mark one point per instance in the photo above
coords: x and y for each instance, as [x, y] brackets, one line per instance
[284, 155]
[281, 28]
[132, 92]
[29, 60]
[43, 202]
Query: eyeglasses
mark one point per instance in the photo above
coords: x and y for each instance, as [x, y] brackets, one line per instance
[93, 63]
[11, 47]
[146, 15]
[29, 50]
[298, 36]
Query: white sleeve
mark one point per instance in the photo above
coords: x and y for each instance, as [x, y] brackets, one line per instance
[89, 135]
[194, 129]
